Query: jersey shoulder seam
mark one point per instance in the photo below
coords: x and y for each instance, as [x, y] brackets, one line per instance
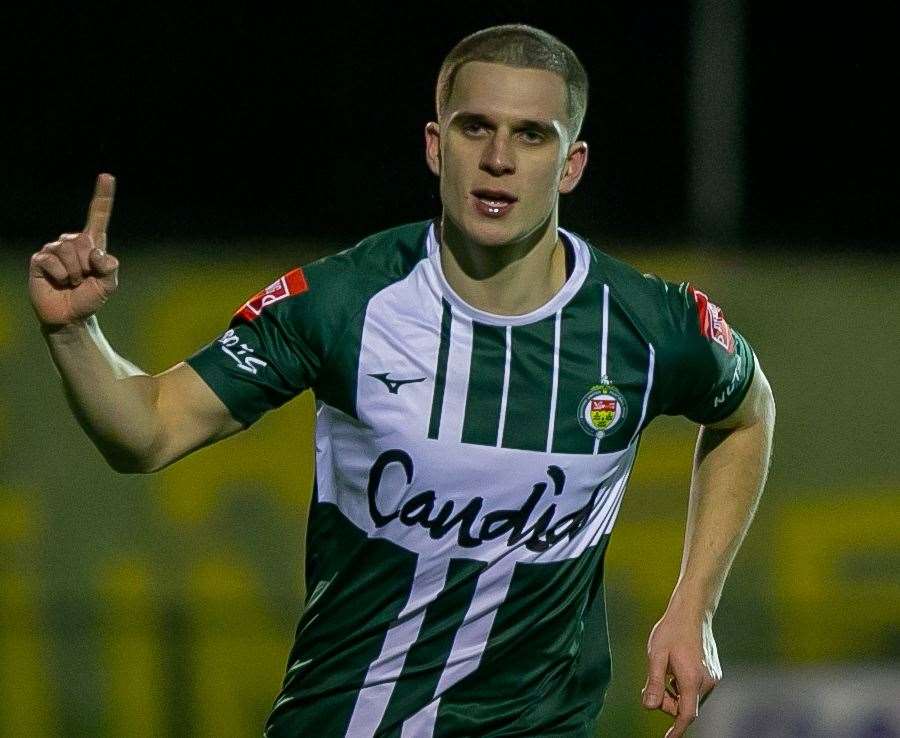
[378, 240]
[630, 273]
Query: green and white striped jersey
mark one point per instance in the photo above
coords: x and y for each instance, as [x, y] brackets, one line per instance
[469, 469]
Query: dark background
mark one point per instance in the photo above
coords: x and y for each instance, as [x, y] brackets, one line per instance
[235, 121]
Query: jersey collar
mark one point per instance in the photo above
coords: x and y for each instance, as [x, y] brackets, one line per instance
[561, 298]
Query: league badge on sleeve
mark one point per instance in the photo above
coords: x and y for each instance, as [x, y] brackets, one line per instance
[602, 409]
[712, 321]
[292, 283]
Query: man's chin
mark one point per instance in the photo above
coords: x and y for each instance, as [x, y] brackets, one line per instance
[491, 233]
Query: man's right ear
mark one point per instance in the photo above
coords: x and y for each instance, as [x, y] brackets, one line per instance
[433, 147]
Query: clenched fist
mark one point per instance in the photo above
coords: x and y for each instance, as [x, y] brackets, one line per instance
[70, 279]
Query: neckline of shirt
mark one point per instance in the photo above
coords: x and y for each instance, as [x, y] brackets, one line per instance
[566, 293]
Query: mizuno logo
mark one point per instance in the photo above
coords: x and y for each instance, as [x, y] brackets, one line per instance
[394, 384]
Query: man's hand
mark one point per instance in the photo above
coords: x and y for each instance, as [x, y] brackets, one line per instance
[71, 278]
[681, 647]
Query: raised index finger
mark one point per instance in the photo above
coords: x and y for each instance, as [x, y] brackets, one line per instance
[101, 206]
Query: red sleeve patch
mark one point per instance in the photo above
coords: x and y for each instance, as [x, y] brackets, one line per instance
[292, 283]
[712, 321]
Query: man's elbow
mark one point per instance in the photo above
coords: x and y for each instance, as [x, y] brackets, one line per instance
[128, 468]
[128, 464]
[766, 402]
[761, 401]
[757, 409]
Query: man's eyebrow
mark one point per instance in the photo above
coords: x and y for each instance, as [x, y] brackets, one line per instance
[545, 127]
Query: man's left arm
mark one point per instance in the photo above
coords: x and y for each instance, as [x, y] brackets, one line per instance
[730, 465]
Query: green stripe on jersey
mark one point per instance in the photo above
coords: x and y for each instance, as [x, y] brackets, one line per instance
[351, 606]
[428, 655]
[485, 393]
[530, 386]
[440, 375]
[546, 666]
[582, 326]
[627, 362]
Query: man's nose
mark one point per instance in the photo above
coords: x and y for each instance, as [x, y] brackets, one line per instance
[498, 157]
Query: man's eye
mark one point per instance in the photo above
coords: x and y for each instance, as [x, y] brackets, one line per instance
[472, 127]
[533, 136]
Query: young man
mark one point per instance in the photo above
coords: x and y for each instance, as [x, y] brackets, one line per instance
[482, 381]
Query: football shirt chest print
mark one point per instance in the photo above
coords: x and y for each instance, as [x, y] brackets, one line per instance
[531, 512]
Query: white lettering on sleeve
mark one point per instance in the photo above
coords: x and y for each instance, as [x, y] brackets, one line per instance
[249, 364]
[729, 390]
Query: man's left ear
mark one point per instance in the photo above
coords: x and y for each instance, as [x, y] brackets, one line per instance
[576, 161]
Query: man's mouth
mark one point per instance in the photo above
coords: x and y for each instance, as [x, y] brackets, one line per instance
[493, 203]
[494, 197]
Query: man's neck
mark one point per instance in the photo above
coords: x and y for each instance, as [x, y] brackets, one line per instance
[504, 280]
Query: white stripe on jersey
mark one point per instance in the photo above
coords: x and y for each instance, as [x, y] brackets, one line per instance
[421, 724]
[605, 340]
[469, 643]
[456, 388]
[603, 344]
[381, 678]
[505, 394]
[650, 364]
[556, 329]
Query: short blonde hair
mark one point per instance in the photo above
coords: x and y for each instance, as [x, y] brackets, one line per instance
[523, 46]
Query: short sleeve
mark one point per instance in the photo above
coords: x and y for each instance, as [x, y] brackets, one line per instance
[261, 361]
[709, 365]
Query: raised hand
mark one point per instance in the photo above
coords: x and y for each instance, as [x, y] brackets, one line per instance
[71, 278]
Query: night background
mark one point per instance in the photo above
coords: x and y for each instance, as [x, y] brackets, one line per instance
[750, 147]
[230, 120]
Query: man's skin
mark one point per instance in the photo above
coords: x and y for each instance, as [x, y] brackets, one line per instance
[509, 266]
[514, 264]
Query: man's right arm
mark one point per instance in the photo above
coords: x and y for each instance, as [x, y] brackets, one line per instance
[140, 423]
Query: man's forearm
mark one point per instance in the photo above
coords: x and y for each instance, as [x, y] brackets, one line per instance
[730, 467]
[112, 399]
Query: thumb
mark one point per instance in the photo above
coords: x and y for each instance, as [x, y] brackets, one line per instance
[656, 674]
[104, 264]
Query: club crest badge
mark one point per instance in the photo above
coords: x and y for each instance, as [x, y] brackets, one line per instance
[602, 409]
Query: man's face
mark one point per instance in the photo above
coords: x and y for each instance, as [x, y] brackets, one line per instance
[504, 130]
